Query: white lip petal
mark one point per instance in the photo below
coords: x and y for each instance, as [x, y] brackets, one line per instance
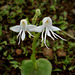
[23, 35]
[55, 28]
[48, 33]
[15, 28]
[39, 28]
[31, 27]
[53, 34]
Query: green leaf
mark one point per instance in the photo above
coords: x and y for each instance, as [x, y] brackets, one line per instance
[1, 48]
[4, 42]
[44, 67]
[5, 53]
[52, 8]
[0, 30]
[12, 40]
[57, 70]
[9, 57]
[15, 64]
[71, 68]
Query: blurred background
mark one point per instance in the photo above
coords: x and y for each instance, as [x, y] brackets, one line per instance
[61, 53]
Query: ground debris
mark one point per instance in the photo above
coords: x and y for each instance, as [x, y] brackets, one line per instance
[48, 52]
[61, 53]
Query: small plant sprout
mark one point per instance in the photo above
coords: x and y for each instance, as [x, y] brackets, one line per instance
[47, 24]
[22, 28]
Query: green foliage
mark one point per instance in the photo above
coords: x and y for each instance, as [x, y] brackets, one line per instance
[4, 12]
[44, 67]
[71, 45]
[1, 48]
[32, 1]
[0, 30]
[15, 64]
[5, 53]
[19, 1]
[67, 60]
[54, 17]
[48, 43]
[9, 57]
[63, 26]
[12, 21]
[53, 8]
[12, 40]
[25, 51]
[71, 68]
[57, 70]
[4, 42]
[57, 46]
[1, 18]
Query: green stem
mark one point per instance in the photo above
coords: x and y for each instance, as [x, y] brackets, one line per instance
[33, 58]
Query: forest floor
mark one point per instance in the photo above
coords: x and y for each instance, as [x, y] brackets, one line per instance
[61, 53]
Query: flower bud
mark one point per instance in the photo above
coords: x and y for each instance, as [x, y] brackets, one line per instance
[38, 12]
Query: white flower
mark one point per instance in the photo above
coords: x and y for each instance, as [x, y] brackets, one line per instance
[48, 28]
[22, 28]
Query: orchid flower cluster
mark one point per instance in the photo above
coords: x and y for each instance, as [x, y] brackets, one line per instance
[46, 28]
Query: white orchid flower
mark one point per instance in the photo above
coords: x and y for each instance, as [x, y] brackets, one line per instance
[48, 28]
[22, 28]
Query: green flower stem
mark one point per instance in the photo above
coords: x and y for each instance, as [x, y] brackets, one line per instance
[37, 14]
[33, 58]
[34, 19]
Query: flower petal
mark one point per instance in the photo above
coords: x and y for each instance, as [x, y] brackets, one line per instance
[23, 35]
[23, 23]
[19, 39]
[42, 35]
[19, 33]
[55, 28]
[15, 28]
[19, 36]
[31, 27]
[60, 37]
[45, 40]
[53, 34]
[39, 28]
[47, 19]
[29, 33]
[48, 33]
